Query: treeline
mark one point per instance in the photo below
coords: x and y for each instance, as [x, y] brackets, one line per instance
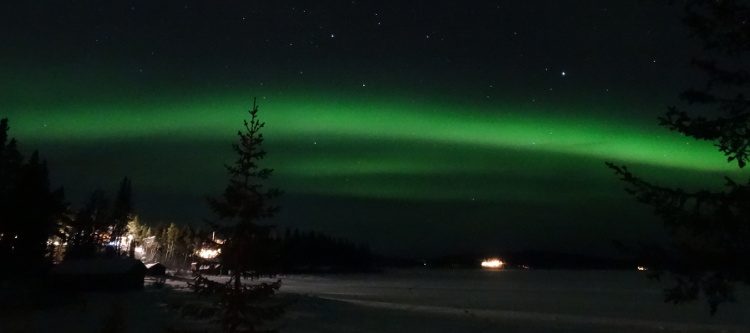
[39, 227]
[316, 252]
[172, 245]
[99, 227]
[304, 252]
[178, 246]
[30, 211]
[529, 260]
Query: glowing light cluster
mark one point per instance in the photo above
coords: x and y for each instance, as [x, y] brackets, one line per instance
[492, 263]
[209, 253]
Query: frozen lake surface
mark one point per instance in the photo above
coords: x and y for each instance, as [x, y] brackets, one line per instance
[415, 300]
[498, 301]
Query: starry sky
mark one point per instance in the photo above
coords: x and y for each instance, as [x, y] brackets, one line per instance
[419, 127]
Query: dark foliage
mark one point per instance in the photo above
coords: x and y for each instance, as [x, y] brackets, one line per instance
[724, 28]
[122, 211]
[239, 307]
[245, 252]
[709, 247]
[175, 246]
[89, 227]
[710, 230]
[99, 222]
[317, 252]
[30, 213]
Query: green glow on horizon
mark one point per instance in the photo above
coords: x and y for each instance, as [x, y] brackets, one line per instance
[391, 120]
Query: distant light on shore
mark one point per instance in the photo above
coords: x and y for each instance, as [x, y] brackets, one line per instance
[492, 263]
[209, 253]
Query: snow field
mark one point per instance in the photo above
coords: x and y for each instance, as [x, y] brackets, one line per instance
[395, 301]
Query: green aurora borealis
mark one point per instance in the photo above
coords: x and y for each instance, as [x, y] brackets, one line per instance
[349, 116]
[504, 162]
[418, 127]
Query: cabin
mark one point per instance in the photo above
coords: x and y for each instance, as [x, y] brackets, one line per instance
[156, 269]
[99, 274]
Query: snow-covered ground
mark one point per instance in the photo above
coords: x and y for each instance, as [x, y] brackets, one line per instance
[499, 301]
[402, 301]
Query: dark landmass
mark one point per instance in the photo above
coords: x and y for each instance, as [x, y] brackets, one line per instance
[512, 260]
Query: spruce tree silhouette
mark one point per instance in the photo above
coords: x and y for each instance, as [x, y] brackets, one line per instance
[88, 227]
[241, 211]
[29, 211]
[710, 230]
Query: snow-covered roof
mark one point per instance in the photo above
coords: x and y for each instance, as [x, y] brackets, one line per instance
[97, 266]
[148, 266]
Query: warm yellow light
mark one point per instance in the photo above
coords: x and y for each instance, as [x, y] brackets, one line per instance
[642, 268]
[492, 263]
[209, 253]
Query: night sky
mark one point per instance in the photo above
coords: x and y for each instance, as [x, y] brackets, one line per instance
[419, 127]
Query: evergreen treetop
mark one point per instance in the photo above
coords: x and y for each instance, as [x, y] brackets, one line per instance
[709, 247]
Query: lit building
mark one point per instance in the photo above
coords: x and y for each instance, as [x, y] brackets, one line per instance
[493, 263]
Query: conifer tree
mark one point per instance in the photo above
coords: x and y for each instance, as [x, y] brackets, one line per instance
[710, 244]
[89, 227]
[241, 211]
[30, 212]
[10, 166]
